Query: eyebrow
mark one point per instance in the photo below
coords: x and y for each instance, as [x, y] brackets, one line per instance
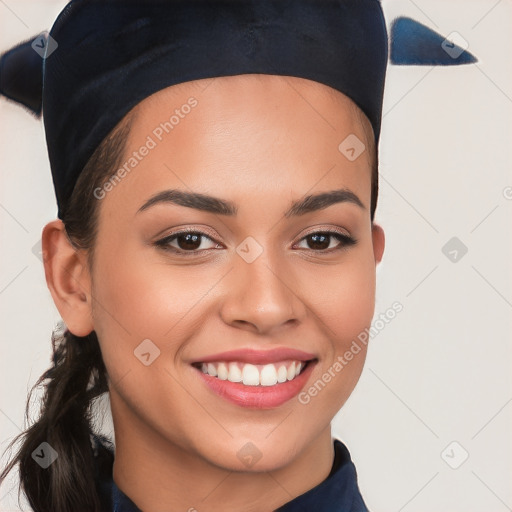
[219, 206]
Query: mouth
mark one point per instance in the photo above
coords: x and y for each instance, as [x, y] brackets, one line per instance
[259, 380]
[249, 374]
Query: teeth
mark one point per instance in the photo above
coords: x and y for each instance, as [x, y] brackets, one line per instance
[291, 371]
[254, 375]
[268, 375]
[250, 375]
[281, 373]
[222, 372]
[212, 370]
[235, 374]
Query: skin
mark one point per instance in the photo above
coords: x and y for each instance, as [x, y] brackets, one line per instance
[261, 142]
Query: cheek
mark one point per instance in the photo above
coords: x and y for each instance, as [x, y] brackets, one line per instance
[345, 298]
[138, 299]
[356, 303]
[141, 301]
[345, 308]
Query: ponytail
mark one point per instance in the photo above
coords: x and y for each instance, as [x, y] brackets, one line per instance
[70, 482]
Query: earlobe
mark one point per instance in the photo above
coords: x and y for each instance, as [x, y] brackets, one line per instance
[68, 279]
[379, 241]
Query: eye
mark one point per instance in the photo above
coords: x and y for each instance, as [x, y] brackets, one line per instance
[187, 242]
[193, 242]
[322, 241]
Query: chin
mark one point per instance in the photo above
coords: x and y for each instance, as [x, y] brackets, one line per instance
[257, 454]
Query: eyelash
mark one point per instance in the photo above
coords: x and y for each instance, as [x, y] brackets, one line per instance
[345, 241]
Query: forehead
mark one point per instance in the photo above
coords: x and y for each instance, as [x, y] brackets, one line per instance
[254, 98]
[248, 133]
[246, 93]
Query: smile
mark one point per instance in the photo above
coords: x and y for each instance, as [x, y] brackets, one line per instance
[256, 379]
[254, 374]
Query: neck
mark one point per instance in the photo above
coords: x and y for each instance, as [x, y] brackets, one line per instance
[157, 474]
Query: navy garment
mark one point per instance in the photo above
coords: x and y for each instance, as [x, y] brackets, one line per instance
[339, 492]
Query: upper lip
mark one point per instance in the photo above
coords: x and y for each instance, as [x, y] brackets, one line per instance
[258, 356]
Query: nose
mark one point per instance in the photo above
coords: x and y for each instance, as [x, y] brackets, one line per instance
[260, 297]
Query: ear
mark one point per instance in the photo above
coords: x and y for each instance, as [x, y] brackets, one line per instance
[68, 279]
[379, 242]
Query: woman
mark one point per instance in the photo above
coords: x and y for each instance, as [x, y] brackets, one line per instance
[215, 167]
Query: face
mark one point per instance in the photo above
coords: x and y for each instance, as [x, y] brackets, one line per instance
[240, 285]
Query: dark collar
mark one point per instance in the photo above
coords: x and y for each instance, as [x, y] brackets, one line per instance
[339, 492]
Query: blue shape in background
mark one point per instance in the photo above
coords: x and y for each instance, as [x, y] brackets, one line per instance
[415, 44]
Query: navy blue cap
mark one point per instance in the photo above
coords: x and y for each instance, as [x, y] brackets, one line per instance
[112, 54]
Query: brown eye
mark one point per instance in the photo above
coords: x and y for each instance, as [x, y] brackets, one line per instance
[322, 241]
[190, 242]
[319, 241]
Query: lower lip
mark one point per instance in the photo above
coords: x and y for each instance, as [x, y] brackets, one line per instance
[258, 397]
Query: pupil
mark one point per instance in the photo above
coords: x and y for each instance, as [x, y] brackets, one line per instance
[191, 241]
[320, 241]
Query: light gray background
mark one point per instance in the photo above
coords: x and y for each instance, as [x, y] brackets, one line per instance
[440, 371]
